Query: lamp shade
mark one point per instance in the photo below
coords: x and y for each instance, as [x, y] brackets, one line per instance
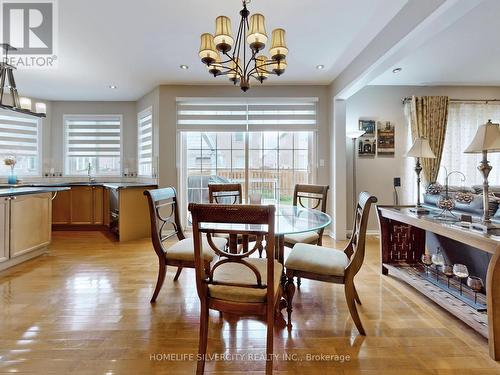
[487, 138]
[278, 48]
[215, 67]
[279, 67]
[355, 134]
[25, 103]
[257, 37]
[261, 67]
[234, 74]
[421, 149]
[223, 38]
[41, 107]
[208, 53]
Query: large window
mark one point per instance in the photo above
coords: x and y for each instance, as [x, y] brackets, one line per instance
[20, 137]
[94, 140]
[267, 146]
[463, 121]
[145, 143]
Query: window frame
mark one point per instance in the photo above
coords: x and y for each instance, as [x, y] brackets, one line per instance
[144, 113]
[39, 143]
[90, 117]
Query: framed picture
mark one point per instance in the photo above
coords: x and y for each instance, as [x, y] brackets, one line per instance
[367, 143]
[368, 126]
[385, 138]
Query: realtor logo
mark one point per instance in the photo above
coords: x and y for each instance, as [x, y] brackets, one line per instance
[30, 26]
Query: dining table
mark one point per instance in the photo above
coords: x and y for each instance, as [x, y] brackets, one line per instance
[288, 220]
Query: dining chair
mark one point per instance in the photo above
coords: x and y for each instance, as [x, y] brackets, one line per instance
[236, 283]
[231, 194]
[225, 193]
[332, 265]
[165, 224]
[310, 196]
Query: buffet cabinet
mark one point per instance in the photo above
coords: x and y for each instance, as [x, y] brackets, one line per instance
[25, 227]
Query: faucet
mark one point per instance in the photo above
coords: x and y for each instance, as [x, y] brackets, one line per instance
[91, 179]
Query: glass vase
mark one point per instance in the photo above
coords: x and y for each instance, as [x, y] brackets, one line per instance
[12, 179]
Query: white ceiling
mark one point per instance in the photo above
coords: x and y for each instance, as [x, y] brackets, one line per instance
[137, 45]
[466, 53]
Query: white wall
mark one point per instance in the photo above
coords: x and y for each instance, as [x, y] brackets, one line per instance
[384, 103]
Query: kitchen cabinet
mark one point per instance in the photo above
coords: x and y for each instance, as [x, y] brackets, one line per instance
[61, 208]
[4, 229]
[30, 223]
[81, 205]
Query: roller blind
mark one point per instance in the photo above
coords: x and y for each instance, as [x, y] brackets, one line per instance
[145, 143]
[208, 114]
[18, 135]
[93, 136]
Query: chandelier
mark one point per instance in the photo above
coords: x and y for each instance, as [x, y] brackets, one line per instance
[22, 105]
[225, 56]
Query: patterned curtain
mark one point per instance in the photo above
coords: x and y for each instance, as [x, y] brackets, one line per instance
[429, 116]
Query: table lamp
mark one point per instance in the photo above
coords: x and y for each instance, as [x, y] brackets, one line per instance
[420, 149]
[487, 139]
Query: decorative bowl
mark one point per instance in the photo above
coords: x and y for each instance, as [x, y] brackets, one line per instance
[434, 188]
[464, 197]
[446, 204]
[475, 283]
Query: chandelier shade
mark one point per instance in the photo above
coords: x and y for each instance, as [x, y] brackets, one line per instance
[208, 52]
[223, 38]
[237, 57]
[278, 49]
[257, 37]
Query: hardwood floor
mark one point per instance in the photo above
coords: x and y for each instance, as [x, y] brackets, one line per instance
[84, 308]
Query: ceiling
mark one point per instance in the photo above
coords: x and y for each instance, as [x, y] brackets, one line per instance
[137, 45]
[466, 53]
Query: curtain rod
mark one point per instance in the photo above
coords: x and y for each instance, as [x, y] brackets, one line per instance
[486, 101]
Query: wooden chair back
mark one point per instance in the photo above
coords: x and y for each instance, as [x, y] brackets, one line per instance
[355, 249]
[311, 196]
[238, 221]
[225, 193]
[163, 212]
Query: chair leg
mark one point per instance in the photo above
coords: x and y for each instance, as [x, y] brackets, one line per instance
[270, 339]
[356, 295]
[203, 339]
[178, 273]
[289, 293]
[299, 282]
[351, 303]
[162, 270]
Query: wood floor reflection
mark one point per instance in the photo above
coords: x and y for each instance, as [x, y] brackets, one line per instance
[84, 308]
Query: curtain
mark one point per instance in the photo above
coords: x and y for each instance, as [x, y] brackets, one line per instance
[463, 121]
[429, 115]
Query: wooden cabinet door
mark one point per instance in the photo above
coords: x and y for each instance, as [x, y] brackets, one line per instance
[30, 222]
[4, 229]
[82, 205]
[98, 204]
[61, 208]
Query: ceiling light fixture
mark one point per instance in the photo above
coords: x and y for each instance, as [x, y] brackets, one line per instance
[241, 65]
[397, 70]
[184, 67]
[320, 67]
[113, 87]
[7, 74]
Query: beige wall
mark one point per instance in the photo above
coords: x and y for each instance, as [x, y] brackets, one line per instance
[384, 103]
[168, 173]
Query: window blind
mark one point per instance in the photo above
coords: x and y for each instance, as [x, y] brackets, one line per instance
[145, 143]
[93, 136]
[208, 114]
[18, 136]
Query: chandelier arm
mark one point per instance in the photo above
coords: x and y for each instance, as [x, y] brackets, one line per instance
[250, 60]
[239, 43]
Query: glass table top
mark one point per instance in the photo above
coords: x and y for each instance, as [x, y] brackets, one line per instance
[289, 220]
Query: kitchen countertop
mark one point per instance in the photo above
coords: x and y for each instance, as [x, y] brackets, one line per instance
[9, 192]
[110, 185]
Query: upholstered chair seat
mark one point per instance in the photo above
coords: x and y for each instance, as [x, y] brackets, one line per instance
[184, 249]
[317, 259]
[240, 274]
[307, 237]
